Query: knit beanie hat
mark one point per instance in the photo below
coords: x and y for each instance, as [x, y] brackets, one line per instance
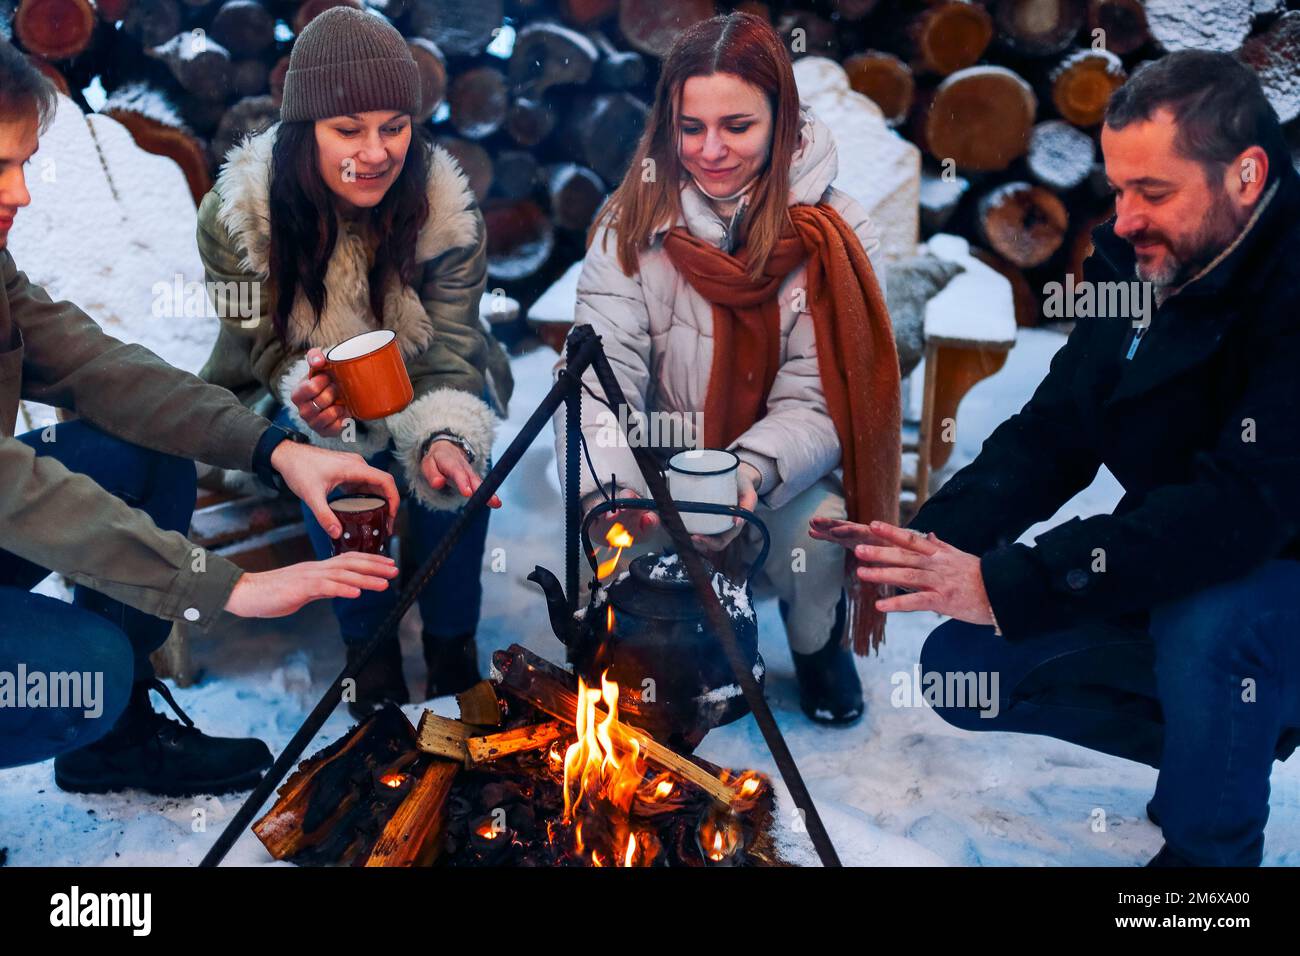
[349, 61]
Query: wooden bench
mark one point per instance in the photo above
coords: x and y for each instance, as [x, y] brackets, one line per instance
[970, 326]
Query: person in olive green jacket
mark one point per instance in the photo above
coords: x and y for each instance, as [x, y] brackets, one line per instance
[104, 501]
[355, 221]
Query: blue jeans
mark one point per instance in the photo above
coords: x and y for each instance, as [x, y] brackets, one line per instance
[450, 604]
[1210, 696]
[94, 633]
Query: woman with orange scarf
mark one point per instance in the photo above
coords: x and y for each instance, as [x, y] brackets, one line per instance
[729, 280]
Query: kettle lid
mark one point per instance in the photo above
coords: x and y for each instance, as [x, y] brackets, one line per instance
[663, 572]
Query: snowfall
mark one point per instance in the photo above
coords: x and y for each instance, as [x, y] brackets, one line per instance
[900, 788]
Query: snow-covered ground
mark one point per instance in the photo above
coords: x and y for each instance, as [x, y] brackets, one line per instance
[901, 788]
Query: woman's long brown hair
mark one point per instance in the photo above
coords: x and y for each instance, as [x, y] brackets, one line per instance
[304, 230]
[745, 46]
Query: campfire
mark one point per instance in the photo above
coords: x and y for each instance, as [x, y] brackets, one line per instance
[538, 771]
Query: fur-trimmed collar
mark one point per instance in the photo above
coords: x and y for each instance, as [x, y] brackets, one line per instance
[244, 187]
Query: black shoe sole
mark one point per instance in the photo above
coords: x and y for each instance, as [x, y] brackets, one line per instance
[848, 721]
[245, 781]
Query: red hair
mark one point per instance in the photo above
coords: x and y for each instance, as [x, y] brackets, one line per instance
[744, 46]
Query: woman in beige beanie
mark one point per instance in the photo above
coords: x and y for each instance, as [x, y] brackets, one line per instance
[350, 219]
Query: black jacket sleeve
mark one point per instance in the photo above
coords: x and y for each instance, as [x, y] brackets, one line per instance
[1032, 464]
[1237, 509]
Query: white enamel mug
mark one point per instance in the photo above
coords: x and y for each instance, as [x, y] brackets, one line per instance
[707, 475]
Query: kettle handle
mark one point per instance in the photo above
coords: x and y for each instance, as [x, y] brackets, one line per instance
[696, 507]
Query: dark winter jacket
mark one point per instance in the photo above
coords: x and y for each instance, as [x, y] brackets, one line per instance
[1201, 428]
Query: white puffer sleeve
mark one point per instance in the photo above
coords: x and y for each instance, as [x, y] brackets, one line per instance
[614, 305]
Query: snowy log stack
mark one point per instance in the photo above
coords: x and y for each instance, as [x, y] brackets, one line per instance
[542, 101]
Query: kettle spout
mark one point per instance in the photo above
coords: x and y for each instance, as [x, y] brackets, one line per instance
[556, 604]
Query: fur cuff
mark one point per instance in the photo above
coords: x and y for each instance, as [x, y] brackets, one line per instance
[444, 409]
[371, 436]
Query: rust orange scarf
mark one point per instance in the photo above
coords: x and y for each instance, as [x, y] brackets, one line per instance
[856, 359]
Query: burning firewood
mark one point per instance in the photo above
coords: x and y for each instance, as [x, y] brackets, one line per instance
[337, 802]
[573, 791]
[521, 739]
[444, 737]
[479, 705]
[414, 834]
[546, 687]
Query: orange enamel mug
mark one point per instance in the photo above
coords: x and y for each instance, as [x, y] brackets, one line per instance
[370, 374]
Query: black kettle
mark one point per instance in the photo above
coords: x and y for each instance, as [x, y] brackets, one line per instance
[648, 630]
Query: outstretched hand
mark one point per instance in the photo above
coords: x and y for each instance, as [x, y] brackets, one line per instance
[445, 465]
[938, 576]
[283, 591]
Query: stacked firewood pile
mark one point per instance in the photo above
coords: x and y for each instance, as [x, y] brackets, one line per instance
[542, 101]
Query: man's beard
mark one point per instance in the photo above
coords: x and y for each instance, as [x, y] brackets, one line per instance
[1186, 257]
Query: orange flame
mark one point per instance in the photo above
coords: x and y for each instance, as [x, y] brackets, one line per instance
[617, 537]
[719, 837]
[393, 780]
[602, 770]
[749, 784]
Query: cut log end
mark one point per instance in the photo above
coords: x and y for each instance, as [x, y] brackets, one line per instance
[54, 29]
[1123, 24]
[980, 118]
[886, 80]
[1039, 27]
[1083, 83]
[651, 26]
[950, 36]
[479, 100]
[1060, 156]
[1024, 224]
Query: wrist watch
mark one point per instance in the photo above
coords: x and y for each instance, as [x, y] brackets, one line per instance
[269, 441]
[452, 437]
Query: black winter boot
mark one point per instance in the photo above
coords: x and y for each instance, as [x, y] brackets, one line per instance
[452, 663]
[830, 691]
[380, 681]
[147, 751]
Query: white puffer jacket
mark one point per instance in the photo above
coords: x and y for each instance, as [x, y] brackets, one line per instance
[658, 334]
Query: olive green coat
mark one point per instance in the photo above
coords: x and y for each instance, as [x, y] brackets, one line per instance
[452, 361]
[52, 352]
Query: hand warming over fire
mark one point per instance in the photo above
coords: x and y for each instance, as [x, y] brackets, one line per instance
[941, 578]
[445, 464]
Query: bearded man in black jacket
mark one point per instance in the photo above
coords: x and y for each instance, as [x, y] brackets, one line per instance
[1167, 632]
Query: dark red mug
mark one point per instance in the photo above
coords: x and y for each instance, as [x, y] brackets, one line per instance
[364, 519]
